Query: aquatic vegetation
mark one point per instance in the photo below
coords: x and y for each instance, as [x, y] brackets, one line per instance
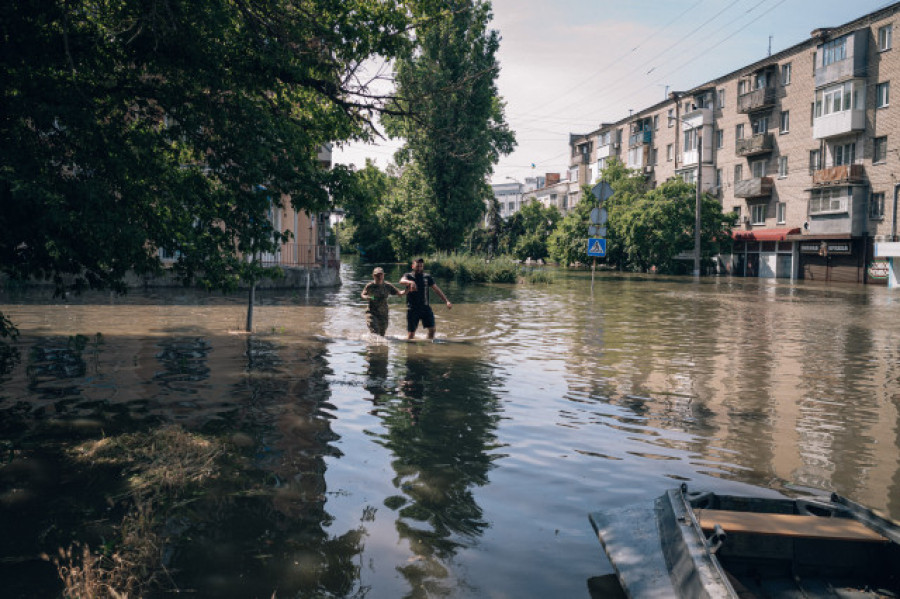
[470, 268]
[163, 466]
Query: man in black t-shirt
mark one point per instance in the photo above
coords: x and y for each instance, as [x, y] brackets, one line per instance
[418, 306]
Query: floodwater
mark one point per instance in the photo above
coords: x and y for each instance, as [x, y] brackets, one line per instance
[464, 468]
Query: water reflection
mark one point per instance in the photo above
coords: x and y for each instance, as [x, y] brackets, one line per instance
[441, 432]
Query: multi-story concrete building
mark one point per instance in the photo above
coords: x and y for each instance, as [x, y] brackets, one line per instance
[802, 144]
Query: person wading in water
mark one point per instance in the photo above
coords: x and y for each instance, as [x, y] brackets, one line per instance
[418, 306]
[377, 292]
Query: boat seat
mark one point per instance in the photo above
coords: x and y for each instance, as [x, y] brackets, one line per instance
[787, 525]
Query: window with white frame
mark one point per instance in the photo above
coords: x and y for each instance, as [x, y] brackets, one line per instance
[742, 87]
[876, 206]
[834, 51]
[739, 131]
[882, 94]
[829, 200]
[884, 37]
[842, 154]
[670, 117]
[782, 166]
[758, 168]
[780, 211]
[760, 125]
[670, 151]
[786, 74]
[689, 177]
[785, 121]
[761, 80]
[655, 122]
[603, 139]
[720, 139]
[738, 172]
[690, 140]
[838, 98]
[758, 214]
[720, 98]
[718, 178]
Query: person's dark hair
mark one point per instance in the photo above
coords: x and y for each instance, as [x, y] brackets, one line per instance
[419, 261]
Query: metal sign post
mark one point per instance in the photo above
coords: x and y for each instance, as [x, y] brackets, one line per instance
[597, 230]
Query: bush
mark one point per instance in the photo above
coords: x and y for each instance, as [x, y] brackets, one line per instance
[468, 268]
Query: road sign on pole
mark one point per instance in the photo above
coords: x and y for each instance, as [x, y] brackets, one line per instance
[596, 247]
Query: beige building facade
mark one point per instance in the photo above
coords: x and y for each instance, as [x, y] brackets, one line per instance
[803, 145]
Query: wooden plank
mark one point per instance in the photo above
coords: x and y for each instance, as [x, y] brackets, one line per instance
[787, 525]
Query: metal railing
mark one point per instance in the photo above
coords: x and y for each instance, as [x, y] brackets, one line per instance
[297, 254]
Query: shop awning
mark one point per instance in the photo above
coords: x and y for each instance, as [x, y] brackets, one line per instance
[765, 234]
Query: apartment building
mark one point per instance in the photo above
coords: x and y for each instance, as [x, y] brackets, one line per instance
[549, 189]
[803, 145]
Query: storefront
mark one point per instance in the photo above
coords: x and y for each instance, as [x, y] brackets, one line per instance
[838, 260]
[764, 253]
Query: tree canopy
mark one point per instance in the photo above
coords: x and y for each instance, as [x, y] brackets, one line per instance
[454, 127]
[134, 126]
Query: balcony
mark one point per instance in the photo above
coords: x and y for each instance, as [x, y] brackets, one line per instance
[839, 175]
[640, 138]
[757, 187]
[759, 99]
[611, 149]
[839, 123]
[579, 158]
[854, 65]
[758, 144]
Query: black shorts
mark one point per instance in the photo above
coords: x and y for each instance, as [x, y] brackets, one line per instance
[414, 315]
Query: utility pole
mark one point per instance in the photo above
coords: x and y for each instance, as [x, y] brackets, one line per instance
[698, 207]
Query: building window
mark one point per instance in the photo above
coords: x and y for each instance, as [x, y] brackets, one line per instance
[884, 37]
[689, 177]
[815, 160]
[655, 122]
[720, 98]
[786, 74]
[718, 179]
[830, 201]
[737, 211]
[882, 94]
[669, 152]
[782, 166]
[720, 139]
[834, 51]
[785, 121]
[844, 154]
[739, 131]
[879, 150]
[846, 96]
[742, 87]
[761, 80]
[758, 168]
[671, 117]
[876, 206]
[758, 214]
[690, 140]
[653, 156]
[738, 172]
[780, 210]
[760, 125]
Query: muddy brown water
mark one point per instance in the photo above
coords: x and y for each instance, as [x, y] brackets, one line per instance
[463, 468]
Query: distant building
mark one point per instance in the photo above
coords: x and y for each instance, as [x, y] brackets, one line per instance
[802, 144]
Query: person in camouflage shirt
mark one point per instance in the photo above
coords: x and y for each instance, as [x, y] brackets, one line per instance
[377, 292]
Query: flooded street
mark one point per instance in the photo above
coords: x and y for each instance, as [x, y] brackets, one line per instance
[363, 467]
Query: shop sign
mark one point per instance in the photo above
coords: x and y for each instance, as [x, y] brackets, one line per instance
[824, 248]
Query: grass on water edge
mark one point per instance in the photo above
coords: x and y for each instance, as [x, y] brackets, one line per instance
[469, 268]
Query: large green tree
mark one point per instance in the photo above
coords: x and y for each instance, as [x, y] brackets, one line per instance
[136, 125]
[372, 188]
[655, 227]
[456, 130]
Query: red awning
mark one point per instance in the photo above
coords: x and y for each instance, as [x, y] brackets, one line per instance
[765, 234]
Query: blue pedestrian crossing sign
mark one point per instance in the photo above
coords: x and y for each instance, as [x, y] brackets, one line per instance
[597, 247]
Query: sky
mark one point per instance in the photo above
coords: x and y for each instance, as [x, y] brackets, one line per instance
[567, 66]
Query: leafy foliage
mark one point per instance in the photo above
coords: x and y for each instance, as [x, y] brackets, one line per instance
[364, 231]
[457, 128]
[407, 215]
[138, 126]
